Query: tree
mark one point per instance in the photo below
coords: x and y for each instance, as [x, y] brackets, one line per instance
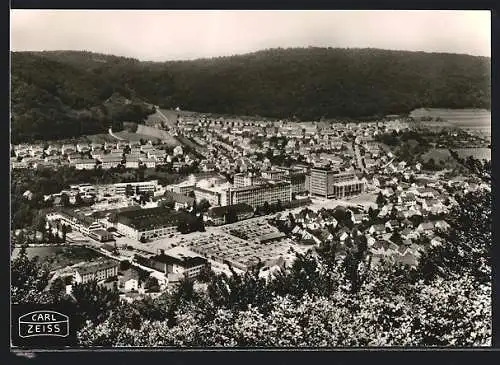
[396, 238]
[380, 199]
[203, 205]
[372, 213]
[129, 191]
[64, 230]
[93, 301]
[279, 206]
[200, 223]
[58, 287]
[124, 265]
[151, 285]
[65, 200]
[230, 216]
[470, 232]
[266, 208]
[78, 200]
[29, 278]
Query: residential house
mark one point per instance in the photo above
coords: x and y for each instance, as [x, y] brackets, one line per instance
[149, 162]
[67, 149]
[97, 270]
[132, 162]
[425, 228]
[392, 225]
[83, 164]
[129, 281]
[110, 161]
[178, 151]
[377, 229]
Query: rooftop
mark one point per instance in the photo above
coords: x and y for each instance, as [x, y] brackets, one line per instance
[150, 218]
[179, 198]
[265, 185]
[94, 267]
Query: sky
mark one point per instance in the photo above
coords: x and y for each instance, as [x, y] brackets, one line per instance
[162, 35]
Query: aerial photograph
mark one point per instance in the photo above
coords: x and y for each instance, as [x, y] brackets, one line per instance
[250, 179]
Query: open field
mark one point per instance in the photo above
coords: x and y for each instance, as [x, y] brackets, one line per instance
[194, 146]
[463, 118]
[58, 257]
[479, 153]
[152, 132]
[437, 154]
[133, 137]
[443, 154]
[99, 138]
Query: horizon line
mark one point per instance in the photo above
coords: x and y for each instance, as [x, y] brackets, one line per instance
[247, 53]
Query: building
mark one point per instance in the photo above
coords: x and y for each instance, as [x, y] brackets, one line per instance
[129, 281]
[98, 270]
[150, 163]
[110, 161]
[151, 223]
[101, 235]
[243, 179]
[182, 188]
[177, 261]
[297, 181]
[178, 151]
[67, 149]
[223, 215]
[213, 197]
[83, 164]
[77, 221]
[180, 201]
[256, 195]
[140, 187]
[274, 174]
[132, 162]
[334, 184]
[344, 189]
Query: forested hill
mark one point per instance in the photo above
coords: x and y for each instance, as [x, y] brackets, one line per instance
[52, 100]
[306, 82]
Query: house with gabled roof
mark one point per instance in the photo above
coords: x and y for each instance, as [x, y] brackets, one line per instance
[442, 225]
[377, 229]
[342, 234]
[406, 258]
[425, 227]
[392, 224]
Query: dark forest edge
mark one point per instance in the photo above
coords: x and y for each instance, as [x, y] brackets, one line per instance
[65, 94]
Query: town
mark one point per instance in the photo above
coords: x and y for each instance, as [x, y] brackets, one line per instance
[253, 193]
[236, 179]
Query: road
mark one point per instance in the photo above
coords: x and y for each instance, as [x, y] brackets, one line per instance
[114, 135]
[387, 164]
[161, 114]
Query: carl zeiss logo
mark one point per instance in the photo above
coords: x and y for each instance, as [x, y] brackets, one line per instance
[43, 323]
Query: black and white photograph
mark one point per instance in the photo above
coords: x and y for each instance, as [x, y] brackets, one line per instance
[250, 179]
